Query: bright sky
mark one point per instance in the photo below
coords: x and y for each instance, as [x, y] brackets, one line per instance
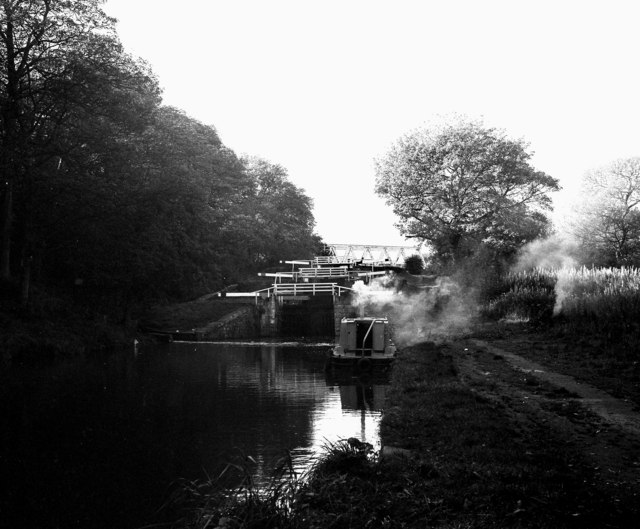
[323, 87]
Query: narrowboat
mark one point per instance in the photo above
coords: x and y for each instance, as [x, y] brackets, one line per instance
[364, 343]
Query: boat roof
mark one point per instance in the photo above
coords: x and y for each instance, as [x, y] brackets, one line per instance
[367, 318]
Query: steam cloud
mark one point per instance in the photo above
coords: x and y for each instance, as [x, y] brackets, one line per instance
[420, 312]
[555, 251]
[416, 312]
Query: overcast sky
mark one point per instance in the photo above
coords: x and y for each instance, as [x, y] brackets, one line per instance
[324, 87]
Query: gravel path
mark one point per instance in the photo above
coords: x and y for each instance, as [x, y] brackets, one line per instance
[611, 409]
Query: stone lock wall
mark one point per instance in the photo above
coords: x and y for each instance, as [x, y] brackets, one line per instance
[242, 323]
[269, 317]
[263, 319]
[342, 309]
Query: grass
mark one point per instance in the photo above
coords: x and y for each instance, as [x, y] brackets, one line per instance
[214, 503]
[55, 327]
[189, 315]
[584, 322]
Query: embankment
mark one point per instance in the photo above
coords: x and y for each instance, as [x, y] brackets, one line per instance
[477, 452]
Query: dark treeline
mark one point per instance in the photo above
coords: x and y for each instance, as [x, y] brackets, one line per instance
[109, 194]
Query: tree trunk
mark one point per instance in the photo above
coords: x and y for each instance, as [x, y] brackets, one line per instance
[5, 241]
[26, 282]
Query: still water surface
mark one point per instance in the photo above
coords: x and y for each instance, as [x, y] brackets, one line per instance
[99, 444]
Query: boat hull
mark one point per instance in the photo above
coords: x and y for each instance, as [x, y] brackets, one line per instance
[361, 363]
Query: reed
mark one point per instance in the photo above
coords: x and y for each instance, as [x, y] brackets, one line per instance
[283, 503]
[211, 502]
[525, 295]
[606, 300]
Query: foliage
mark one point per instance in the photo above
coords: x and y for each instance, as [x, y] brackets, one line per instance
[62, 68]
[282, 220]
[213, 503]
[112, 196]
[605, 301]
[414, 264]
[608, 220]
[345, 455]
[463, 185]
[168, 212]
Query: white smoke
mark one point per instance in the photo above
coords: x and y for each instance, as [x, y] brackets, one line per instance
[416, 312]
[558, 252]
[566, 286]
[555, 251]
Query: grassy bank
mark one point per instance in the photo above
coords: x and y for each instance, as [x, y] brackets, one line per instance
[453, 458]
[584, 322]
[55, 327]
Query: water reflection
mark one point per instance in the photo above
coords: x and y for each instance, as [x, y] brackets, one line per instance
[97, 444]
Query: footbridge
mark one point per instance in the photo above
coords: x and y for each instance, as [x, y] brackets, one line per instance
[366, 254]
[298, 290]
[313, 295]
[332, 273]
[306, 298]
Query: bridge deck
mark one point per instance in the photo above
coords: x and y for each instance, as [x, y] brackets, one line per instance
[293, 289]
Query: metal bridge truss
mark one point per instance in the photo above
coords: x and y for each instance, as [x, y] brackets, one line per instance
[338, 264]
[366, 253]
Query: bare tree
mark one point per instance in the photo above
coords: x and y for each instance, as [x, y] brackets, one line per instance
[608, 220]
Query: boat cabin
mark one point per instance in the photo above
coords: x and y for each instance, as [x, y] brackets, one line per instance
[368, 337]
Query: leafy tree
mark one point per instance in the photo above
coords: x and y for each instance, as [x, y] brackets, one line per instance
[103, 186]
[608, 225]
[61, 67]
[462, 185]
[282, 224]
[154, 211]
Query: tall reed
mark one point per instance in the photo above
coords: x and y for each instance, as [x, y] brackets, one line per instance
[605, 300]
[209, 503]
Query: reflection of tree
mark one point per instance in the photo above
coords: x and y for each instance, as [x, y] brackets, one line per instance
[242, 398]
[113, 437]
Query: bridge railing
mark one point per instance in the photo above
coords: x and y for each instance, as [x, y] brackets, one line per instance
[324, 260]
[306, 274]
[341, 271]
[293, 289]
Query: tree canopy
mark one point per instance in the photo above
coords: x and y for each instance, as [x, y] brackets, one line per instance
[461, 185]
[106, 192]
[608, 218]
[62, 69]
[282, 220]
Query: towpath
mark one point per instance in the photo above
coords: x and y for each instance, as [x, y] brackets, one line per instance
[605, 429]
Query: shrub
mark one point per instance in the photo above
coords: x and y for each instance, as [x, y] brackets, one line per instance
[414, 264]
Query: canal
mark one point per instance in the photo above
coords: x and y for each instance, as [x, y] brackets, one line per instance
[99, 444]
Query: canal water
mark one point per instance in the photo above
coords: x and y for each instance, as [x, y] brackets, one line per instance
[99, 444]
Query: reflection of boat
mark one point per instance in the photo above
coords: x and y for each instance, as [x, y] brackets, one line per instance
[369, 397]
[339, 376]
[364, 343]
[364, 395]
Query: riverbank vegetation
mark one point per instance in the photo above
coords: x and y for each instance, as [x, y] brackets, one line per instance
[604, 300]
[465, 461]
[580, 321]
